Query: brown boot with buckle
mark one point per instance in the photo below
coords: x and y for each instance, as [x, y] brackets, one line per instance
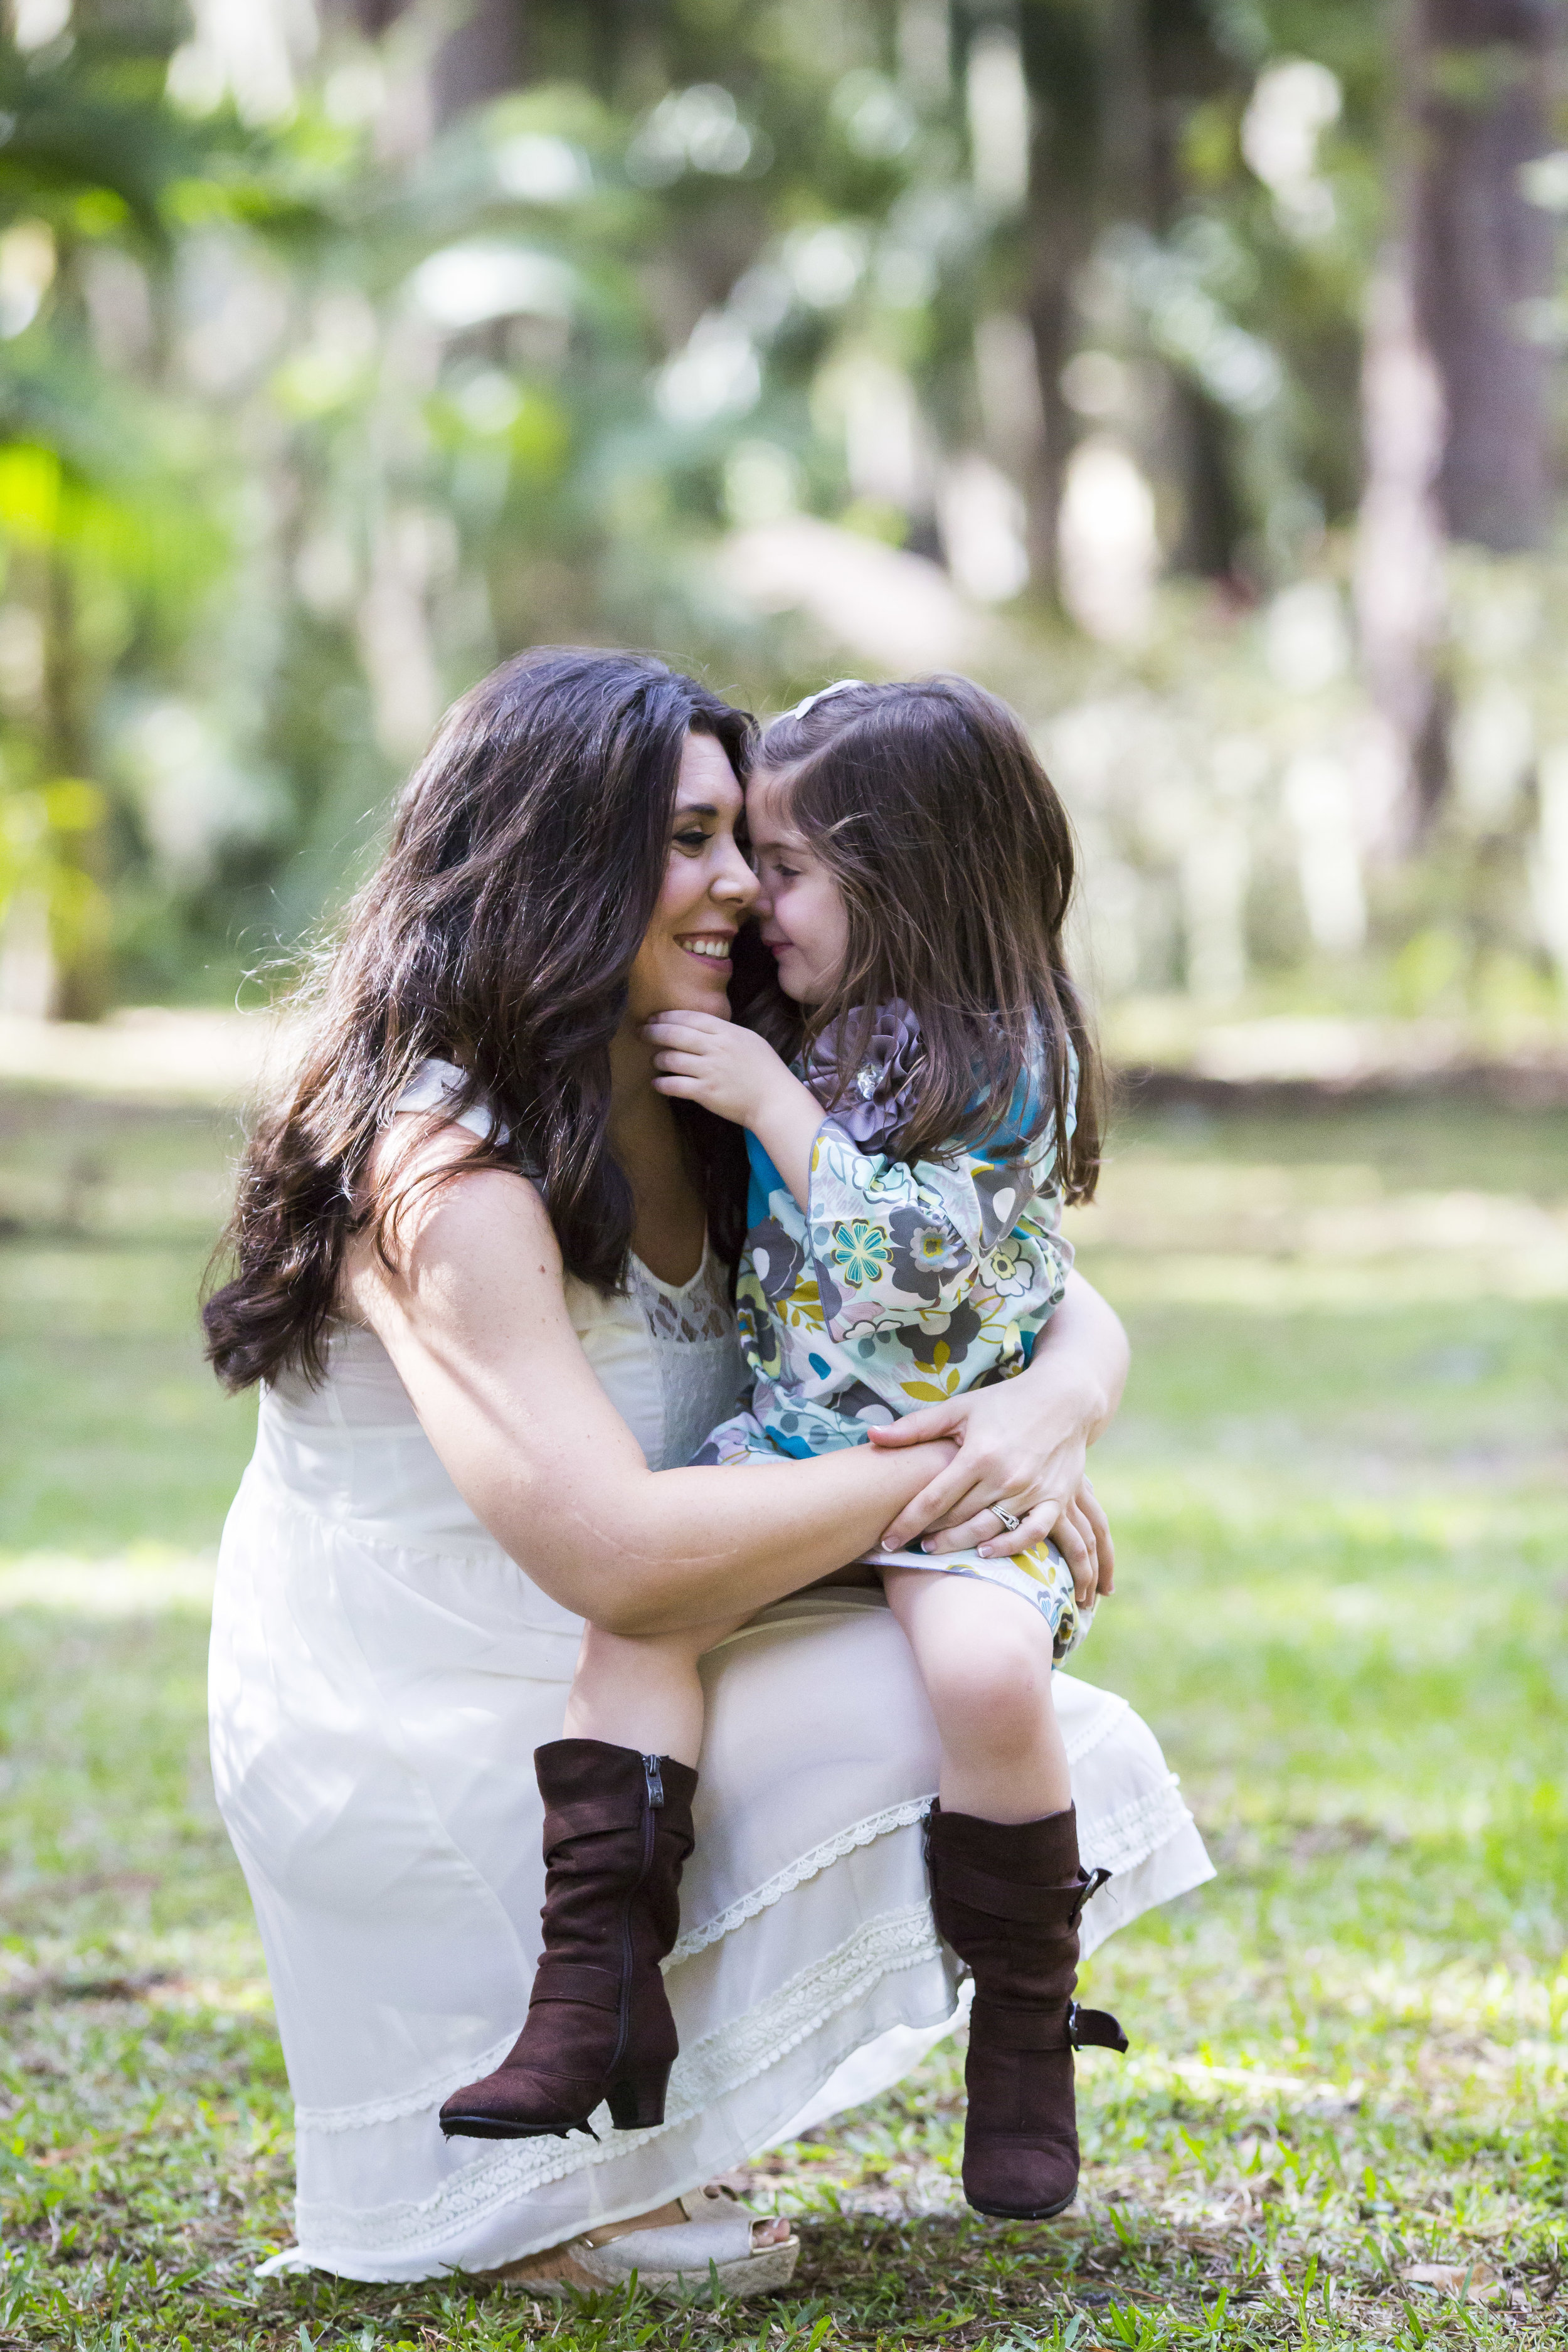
[617, 1829]
[1007, 1898]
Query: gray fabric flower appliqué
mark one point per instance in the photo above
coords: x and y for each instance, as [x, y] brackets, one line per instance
[870, 1102]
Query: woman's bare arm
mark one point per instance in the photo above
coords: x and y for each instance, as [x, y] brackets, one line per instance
[1024, 1439]
[473, 1314]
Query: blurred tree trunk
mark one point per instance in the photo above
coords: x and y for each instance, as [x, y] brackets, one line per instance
[1397, 583]
[1456, 425]
[1060, 47]
[79, 928]
[1398, 577]
[1112, 83]
[484, 54]
[1197, 460]
[1480, 253]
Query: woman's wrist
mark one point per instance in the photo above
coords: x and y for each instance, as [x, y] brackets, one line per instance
[1079, 1367]
[1067, 1391]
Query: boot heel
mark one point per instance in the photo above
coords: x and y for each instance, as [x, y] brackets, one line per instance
[636, 2102]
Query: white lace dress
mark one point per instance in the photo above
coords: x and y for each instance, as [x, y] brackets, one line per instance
[381, 1673]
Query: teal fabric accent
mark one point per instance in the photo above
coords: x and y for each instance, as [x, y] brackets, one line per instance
[796, 1447]
[1029, 1114]
[763, 1181]
[1027, 1111]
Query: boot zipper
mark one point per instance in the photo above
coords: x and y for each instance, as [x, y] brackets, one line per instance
[653, 1791]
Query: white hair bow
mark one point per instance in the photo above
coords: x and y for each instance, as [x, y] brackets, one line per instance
[839, 686]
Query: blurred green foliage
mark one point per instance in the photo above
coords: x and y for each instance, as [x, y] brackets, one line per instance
[344, 359]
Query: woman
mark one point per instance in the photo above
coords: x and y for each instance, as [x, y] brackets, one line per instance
[481, 1271]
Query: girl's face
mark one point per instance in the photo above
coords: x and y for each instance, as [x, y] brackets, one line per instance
[683, 964]
[805, 920]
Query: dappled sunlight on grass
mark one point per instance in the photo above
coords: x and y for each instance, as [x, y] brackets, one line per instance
[144, 1579]
[1341, 1512]
[1348, 1287]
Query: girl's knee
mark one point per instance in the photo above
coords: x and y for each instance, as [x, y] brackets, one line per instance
[999, 1679]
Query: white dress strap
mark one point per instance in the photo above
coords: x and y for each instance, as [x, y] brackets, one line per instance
[435, 1084]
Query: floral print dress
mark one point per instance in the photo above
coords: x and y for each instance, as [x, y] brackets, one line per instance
[901, 1284]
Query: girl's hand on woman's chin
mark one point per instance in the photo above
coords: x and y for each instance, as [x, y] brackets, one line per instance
[1002, 1458]
[699, 1058]
[736, 1074]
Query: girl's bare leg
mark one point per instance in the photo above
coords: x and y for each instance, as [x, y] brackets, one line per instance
[644, 1694]
[599, 2024]
[985, 1657]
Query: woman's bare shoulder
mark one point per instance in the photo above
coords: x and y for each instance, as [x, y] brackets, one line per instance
[448, 1226]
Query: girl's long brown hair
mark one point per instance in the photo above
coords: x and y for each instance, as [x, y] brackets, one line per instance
[498, 934]
[954, 857]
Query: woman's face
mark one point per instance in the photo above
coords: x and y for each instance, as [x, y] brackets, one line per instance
[683, 964]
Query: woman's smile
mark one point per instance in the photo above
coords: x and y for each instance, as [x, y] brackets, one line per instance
[713, 947]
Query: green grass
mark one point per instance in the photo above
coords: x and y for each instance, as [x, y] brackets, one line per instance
[1338, 1488]
[111, 1430]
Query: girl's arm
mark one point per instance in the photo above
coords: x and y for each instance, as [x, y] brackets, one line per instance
[472, 1311]
[896, 1238]
[1025, 1440]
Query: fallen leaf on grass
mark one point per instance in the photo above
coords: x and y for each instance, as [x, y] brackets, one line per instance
[1449, 2278]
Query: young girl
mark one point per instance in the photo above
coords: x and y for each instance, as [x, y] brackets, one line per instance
[909, 1162]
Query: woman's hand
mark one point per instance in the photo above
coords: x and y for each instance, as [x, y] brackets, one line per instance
[1022, 1445]
[1000, 1460]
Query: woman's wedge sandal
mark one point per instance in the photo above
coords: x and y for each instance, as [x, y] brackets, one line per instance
[617, 1829]
[671, 2258]
[1007, 1898]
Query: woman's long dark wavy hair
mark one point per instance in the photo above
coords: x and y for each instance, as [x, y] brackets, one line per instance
[954, 857]
[527, 857]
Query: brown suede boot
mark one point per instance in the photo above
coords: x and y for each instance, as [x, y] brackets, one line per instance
[1007, 1897]
[617, 1828]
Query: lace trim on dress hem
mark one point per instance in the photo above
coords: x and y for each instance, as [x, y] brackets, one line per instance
[1126, 1835]
[425, 2094]
[1125, 1839]
[1117, 1844]
[732, 2054]
[1080, 1743]
[795, 1874]
[785, 1882]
